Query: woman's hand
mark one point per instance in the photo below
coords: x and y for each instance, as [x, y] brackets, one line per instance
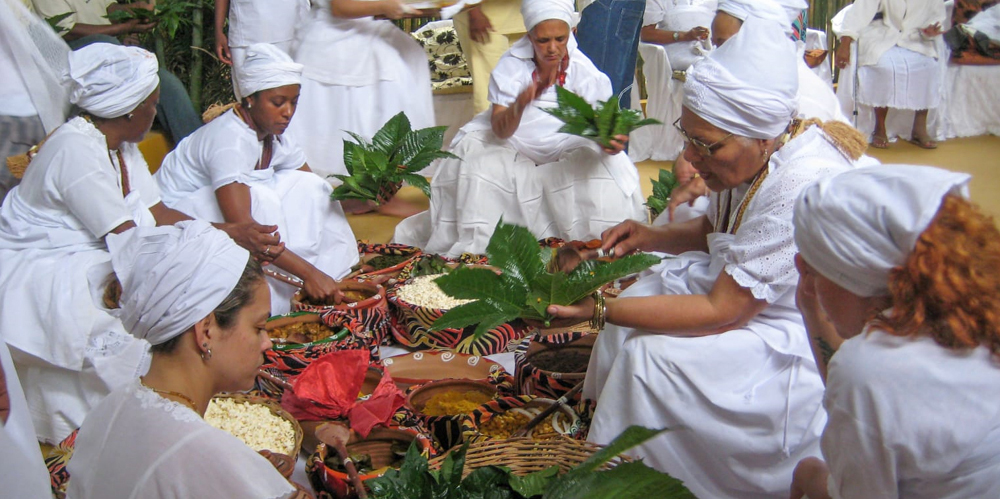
[617, 144]
[809, 479]
[697, 33]
[626, 237]
[686, 193]
[843, 55]
[479, 25]
[262, 241]
[322, 288]
[222, 48]
[932, 30]
[569, 315]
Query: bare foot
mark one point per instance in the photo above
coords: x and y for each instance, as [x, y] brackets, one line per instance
[880, 141]
[398, 207]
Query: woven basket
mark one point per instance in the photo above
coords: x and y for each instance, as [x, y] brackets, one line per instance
[524, 455]
[276, 410]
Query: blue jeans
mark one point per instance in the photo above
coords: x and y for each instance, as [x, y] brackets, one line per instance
[174, 112]
[609, 34]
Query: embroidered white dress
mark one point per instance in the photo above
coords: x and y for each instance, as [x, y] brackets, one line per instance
[136, 444]
[227, 151]
[69, 353]
[556, 185]
[746, 404]
[358, 74]
[909, 418]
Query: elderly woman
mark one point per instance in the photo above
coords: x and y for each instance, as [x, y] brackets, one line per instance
[514, 163]
[201, 301]
[910, 282]
[896, 60]
[241, 167]
[87, 180]
[711, 344]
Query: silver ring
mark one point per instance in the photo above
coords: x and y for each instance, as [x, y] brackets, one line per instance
[267, 250]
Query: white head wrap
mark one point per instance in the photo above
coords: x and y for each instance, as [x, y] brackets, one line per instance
[173, 276]
[853, 228]
[536, 11]
[109, 80]
[764, 9]
[748, 85]
[265, 66]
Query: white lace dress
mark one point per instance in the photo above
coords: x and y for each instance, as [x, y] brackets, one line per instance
[136, 444]
[749, 400]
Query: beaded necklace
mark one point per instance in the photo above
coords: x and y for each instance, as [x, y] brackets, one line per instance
[184, 399]
[735, 225]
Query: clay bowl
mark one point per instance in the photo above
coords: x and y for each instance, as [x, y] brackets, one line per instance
[423, 367]
[284, 321]
[474, 424]
[446, 429]
[357, 294]
[549, 366]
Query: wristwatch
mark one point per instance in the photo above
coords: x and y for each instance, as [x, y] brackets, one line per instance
[677, 35]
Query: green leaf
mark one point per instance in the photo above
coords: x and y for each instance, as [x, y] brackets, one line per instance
[418, 181]
[662, 189]
[632, 480]
[488, 481]
[534, 484]
[631, 437]
[605, 120]
[387, 138]
[56, 19]
[566, 98]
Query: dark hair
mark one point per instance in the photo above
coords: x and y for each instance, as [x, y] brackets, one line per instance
[226, 312]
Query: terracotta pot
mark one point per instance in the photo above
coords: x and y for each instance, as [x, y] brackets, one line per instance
[473, 422]
[423, 367]
[548, 366]
[446, 429]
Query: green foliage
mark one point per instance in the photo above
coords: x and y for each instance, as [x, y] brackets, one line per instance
[415, 480]
[524, 288]
[393, 157]
[55, 20]
[600, 124]
[169, 15]
[657, 201]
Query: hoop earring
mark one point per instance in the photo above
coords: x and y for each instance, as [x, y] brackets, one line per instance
[206, 355]
[129, 116]
[248, 104]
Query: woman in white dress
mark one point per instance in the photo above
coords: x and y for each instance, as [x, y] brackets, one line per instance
[201, 302]
[241, 167]
[359, 72]
[514, 163]
[899, 274]
[711, 343]
[88, 180]
[897, 60]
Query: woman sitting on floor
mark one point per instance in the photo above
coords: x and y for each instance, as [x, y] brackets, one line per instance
[514, 162]
[240, 167]
[904, 270]
[711, 343]
[202, 302]
[87, 180]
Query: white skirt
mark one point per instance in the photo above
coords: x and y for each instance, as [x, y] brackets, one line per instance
[574, 198]
[902, 79]
[326, 112]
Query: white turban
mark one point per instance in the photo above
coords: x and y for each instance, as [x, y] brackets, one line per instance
[109, 80]
[264, 67]
[853, 228]
[748, 85]
[764, 9]
[173, 276]
[536, 11]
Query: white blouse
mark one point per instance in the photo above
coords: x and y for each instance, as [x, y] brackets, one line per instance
[219, 154]
[136, 444]
[264, 21]
[911, 419]
[900, 25]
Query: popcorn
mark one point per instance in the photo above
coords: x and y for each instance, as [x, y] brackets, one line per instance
[424, 292]
[254, 424]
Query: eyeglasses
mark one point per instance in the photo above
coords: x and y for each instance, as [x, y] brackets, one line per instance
[705, 150]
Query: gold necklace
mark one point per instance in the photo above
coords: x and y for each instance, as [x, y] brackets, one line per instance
[184, 398]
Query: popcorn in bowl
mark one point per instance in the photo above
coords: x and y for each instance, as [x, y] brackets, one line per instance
[252, 423]
[424, 292]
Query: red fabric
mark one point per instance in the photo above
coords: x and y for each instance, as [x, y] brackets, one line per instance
[329, 387]
[378, 409]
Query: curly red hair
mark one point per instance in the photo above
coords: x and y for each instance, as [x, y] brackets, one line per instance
[949, 287]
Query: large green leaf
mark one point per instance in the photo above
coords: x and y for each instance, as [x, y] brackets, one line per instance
[387, 138]
[599, 124]
[418, 181]
[606, 119]
[626, 481]
[524, 288]
[535, 483]
[566, 98]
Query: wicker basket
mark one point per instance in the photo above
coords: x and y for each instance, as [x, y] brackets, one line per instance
[276, 410]
[524, 455]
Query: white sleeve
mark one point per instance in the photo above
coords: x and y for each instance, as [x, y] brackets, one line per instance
[88, 188]
[140, 179]
[506, 81]
[655, 13]
[226, 165]
[287, 154]
[860, 15]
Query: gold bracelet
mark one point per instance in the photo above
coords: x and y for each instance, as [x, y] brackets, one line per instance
[600, 316]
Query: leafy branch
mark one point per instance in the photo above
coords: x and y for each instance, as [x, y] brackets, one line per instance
[601, 123]
[524, 287]
[662, 188]
[395, 154]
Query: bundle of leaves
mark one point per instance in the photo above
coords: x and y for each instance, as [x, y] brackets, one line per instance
[662, 188]
[395, 154]
[169, 15]
[601, 123]
[525, 287]
[415, 479]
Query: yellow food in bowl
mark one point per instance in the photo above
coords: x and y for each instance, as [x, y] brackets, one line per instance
[452, 403]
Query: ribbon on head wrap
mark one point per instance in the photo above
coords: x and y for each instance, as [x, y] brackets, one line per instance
[748, 85]
[764, 9]
[173, 276]
[853, 228]
[109, 81]
[536, 11]
[264, 67]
